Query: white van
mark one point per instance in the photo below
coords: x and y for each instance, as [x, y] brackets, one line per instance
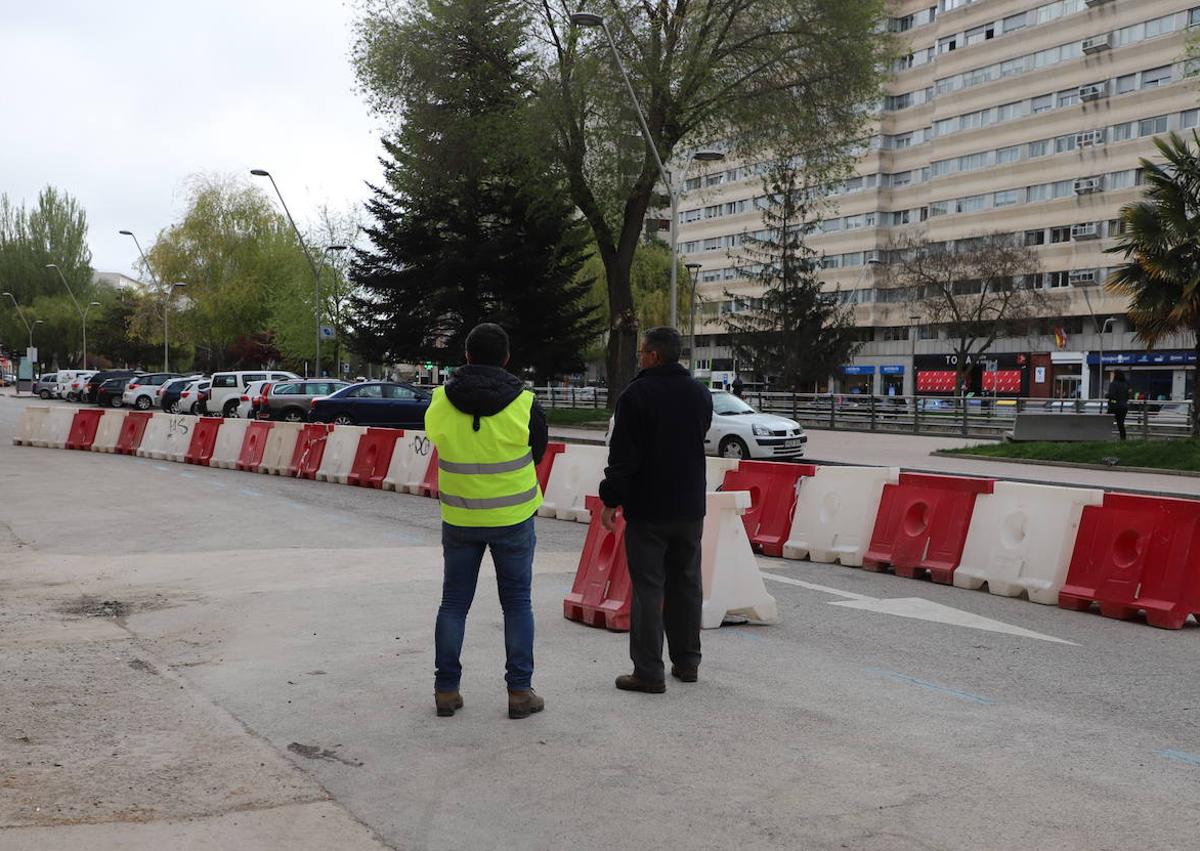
[227, 387]
[66, 377]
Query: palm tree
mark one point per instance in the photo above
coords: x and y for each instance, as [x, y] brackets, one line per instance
[1160, 242]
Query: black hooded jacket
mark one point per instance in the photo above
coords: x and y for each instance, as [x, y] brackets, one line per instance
[484, 391]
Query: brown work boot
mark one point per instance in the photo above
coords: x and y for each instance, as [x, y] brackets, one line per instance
[632, 682]
[684, 675]
[522, 704]
[447, 702]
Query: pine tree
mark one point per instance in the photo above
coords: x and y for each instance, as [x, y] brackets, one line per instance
[470, 224]
[795, 335]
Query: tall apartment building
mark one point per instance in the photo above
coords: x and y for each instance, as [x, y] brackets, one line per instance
[1019, 116]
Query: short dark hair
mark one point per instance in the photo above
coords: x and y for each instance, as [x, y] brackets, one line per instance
[487, 344]
[666, 341]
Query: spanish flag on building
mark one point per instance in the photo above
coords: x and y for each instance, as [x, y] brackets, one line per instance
[1060, 337]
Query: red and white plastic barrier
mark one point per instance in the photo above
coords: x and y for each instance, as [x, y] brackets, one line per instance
[281, 445]
[835, 513]
[576, 475]
[109, 431]
[30, 424]
[54, 428]
[733, 584]
[340, 448]
[228, 447]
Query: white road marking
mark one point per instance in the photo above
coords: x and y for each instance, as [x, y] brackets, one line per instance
[917, 608]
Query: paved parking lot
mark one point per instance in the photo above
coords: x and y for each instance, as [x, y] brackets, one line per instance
[198, 658]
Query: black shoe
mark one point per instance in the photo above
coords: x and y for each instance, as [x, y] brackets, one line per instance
[684, 675]
[631, 682]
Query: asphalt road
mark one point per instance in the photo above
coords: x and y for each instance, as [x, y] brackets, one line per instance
[197, 658]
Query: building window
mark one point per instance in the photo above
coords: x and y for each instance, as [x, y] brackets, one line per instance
[1152, 126]
[1057, 280]
[1006, 199]
[1126, 83]
[947, 44]
[892, 333]
[1005, 156]
[1190, 118]
[1039, 149]
[1058, 235]
[1068, 97]
[1042, 103]
[1014, 22]
[1122, 132]
[1064, 143]
[1035, 237]
[978, 35]
[1156, 77]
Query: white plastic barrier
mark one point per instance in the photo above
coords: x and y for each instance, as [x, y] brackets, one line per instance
[54, 428]
[733, 584]
[340, 447]
[167, 437]
[715, 469]
[576, 474]
[1021, 539]
[228, 447]
[410, 460]
[835, 513]
[30, 424]
[281, 444]
[108, 432]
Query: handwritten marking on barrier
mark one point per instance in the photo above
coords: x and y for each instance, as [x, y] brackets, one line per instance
[421, 444]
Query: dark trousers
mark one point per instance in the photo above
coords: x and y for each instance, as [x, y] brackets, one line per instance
[1119, 416]
[664, 568]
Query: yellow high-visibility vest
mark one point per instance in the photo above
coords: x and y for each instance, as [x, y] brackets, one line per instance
[485, 477]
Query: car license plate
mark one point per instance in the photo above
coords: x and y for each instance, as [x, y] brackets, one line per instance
[793, 444]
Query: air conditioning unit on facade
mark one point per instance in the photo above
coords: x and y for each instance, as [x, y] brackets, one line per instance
[1093, 3]
[1082, 276]
[1088, 138]
[1089, 231]
[873, 257]
[1097, 43]
[1095, 91]
[1087, 185]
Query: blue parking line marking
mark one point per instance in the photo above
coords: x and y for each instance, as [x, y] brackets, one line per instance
[913, 681]
[188, 475]
[249, 492]
[1180, 756]
[162, 467]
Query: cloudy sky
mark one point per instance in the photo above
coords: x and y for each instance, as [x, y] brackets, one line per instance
[119, 102]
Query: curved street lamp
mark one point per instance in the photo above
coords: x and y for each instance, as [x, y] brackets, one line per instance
[82, 312]
[694, 275]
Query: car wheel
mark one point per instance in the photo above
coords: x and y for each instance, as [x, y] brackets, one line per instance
[230, 411]
[343, 419]
[142, 403]
[45, 394]
[115, 401]
[293, 415]
[173, 408]
[734, 447]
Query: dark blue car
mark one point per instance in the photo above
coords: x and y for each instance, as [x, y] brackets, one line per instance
[373, 403]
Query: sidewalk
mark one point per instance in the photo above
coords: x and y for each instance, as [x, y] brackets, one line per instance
[912, 453]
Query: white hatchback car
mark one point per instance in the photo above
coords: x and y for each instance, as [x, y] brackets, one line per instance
[739, 431]
[189, 399]
[249, 396]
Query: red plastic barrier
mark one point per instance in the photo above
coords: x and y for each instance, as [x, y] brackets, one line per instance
[132, 430]
[547, 463]
[204, 440]
[1137, 553]
[83, 428]
[922, 525]
[373, 457]
[601, 594]
[772, 488]
[309, 451]
[429, 484]
[254, 444]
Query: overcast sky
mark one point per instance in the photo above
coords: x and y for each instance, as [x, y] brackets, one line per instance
[119, 102]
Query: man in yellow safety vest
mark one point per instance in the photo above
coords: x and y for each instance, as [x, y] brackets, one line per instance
[490, 434]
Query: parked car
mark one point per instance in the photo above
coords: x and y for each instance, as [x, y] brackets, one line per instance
[109, 393]
[44, 384]
[374, 403]
[103, 375]
[291, 400]
[141, 392]
[168, 395]
[227, 388]
[191, 398]
[248, 401]
[75, 386]
[739, 431]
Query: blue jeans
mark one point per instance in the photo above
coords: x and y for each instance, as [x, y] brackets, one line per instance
[512, 553]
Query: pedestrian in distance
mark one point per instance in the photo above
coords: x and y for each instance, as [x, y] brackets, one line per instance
[656, 475]
[490, 434]
[1118, 400]
[738, 386]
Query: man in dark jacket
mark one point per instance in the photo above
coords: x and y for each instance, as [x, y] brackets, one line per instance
[1118, 400]
[490, 434]
[656, 474]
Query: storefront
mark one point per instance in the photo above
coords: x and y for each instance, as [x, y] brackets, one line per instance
[858, 380]
[1151, 375]
[999, 374]
[891, 379]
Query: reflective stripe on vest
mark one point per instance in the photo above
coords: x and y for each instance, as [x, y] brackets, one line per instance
[486, 476]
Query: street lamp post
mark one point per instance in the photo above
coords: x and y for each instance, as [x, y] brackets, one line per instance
[693, 273]
[166, 315]
[324, 257]
[312, 264]
[82, 312]
[914, 318]
[590, 19]
[28, 327]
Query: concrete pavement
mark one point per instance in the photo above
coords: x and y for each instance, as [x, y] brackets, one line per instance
[199, 658]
